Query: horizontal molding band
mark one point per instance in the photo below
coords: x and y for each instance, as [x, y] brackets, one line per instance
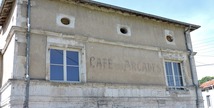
[83, 38]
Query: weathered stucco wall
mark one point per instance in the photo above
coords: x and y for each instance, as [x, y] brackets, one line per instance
[8, 61]
[6, 28]
[116, 64]
[20, 56]
[99, 95]
[92, 22]
[38, 57]
[119, 71]
[122, 65]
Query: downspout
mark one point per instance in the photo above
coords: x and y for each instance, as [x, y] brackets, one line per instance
[27, 76]
[191, 54]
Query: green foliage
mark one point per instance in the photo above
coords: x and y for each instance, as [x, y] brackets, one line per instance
[205, 79]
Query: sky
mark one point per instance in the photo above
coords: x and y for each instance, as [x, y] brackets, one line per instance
[199, 12]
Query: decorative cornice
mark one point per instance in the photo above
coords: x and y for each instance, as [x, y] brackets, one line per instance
[6, 6]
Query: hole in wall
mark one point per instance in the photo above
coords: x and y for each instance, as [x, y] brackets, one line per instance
[65, 21]
[123, 30]
[169, 38]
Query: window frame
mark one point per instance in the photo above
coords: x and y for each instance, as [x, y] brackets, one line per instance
[65, 64]
[182, 87]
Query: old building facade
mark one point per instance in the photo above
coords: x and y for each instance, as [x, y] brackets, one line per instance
[85, 54]
[208, 93]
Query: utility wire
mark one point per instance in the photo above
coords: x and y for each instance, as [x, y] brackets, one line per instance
[204, 40]
[201, 63]
[203, 48]
[205, 65]
[61, 53]
[204, 51]
[205, 55]
[205, 43]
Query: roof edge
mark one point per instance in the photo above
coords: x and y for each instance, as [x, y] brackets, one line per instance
[117, 8]
[1, 9]
[138, 13]
[5, 8]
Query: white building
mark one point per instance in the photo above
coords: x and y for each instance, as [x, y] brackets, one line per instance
[208, 94]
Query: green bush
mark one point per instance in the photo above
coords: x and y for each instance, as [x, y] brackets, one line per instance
[205, 79]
